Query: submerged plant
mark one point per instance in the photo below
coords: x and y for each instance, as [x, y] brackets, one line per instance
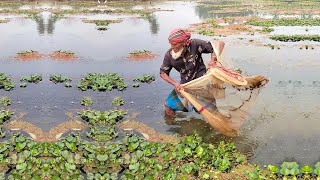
[102, 28]
[5, 101]
[67, 85]
[23, 85]
[136, 85]
[306, 47]
[273, 46]
[86, 101]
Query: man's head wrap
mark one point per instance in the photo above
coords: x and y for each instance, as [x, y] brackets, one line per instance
[178, 36]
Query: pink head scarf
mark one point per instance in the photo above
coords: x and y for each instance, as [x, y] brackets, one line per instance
[179, 35]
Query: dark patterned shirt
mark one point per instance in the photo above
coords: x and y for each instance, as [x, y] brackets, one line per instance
[190, 64]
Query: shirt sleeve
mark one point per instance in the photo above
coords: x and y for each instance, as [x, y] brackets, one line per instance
[166, 65]
[204, 46]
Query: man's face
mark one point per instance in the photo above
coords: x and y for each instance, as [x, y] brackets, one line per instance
[176, 47]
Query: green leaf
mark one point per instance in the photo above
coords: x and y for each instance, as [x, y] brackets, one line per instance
[21, 167]
[273, 169]
[306, 169]
[102, 157]
[36, 178]
[199, 151]
[70, 167]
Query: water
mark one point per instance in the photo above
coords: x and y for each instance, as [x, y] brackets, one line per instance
[283, 125]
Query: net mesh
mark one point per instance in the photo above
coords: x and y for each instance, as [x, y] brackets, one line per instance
[223, 97]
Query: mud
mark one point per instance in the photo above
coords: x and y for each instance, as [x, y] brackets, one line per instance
[141, 56]
[62, 56]
[40, 136]
[29, 56]
[231, 26]
[149, 133]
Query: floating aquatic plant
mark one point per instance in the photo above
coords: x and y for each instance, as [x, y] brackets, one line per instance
[5, 101]
[102, 82]
[118, 101]
[5, 82]
[86, 101]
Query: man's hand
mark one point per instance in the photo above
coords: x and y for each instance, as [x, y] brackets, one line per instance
[213, 62]
[177, 86]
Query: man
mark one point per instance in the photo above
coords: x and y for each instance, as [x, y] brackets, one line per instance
[184, 56]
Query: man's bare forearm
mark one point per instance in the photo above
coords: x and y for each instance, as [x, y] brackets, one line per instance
[168, 79]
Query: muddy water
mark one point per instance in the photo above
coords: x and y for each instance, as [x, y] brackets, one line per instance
[282, 126]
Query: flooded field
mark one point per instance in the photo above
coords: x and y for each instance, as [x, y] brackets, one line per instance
[282, 126]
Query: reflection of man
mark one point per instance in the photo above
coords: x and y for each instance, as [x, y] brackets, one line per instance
[184, 56]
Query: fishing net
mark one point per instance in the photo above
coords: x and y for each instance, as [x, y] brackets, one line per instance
[223, 97]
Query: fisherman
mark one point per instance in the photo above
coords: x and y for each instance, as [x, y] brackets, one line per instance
[184, 55]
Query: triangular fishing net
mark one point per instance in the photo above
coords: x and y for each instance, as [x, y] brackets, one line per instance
[223, 97]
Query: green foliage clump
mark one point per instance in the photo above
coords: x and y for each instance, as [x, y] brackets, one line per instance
[102, 118]
[102, 82]
[136, 52]
[296, 38]
[5, 101]
[285, 22]
[59, 78]
[145, 79]
[5, 82]
[34, 78]
[86, 101]
[118, 101]
[267, 30]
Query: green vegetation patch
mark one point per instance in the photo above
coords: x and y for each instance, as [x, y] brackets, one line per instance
[5, 115]
[34, 78]
[287, 170]
[267, 30]
[118, 101]
[58, 78]
[5, 101]
[102, 82]
[5, 82]
[296, 38]
[101, 22]
[102, 118]
[137, 52]
[86, 101]
[129, 158]
[285, 22]
[26, 52]
[102, 134]
[145, 79]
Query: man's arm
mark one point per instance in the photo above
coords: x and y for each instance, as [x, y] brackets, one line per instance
[213, 60]
[168, 79]
[165, 70]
